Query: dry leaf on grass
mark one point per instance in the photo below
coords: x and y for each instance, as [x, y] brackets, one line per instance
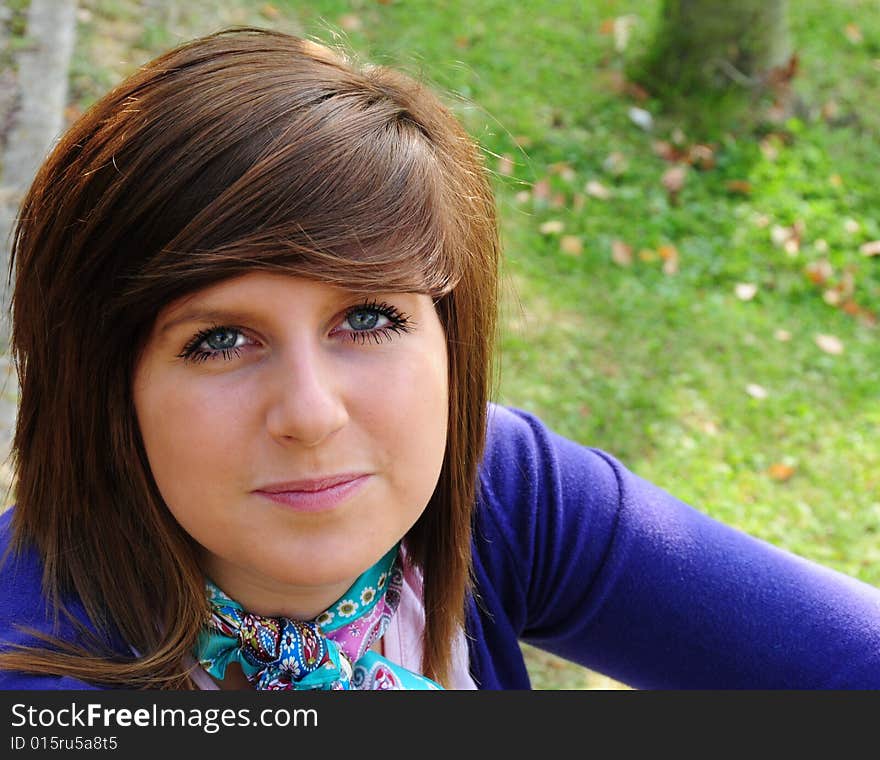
[853, 33]
[597, 190]
[505, 165]
[819, 272]
[673, 181]
[745, 291]
[830, 344]
[669, 254]
[350, 23]
[870, 249]
[552, 227]
[780, 471]
[756, 391]
[571, 244]
[621, 253]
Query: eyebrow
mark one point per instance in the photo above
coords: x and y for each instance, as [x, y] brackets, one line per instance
[207, 315]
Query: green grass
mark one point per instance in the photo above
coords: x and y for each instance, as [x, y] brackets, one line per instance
[654, 366]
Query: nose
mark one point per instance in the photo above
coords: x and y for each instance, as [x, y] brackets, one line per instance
[307, 403]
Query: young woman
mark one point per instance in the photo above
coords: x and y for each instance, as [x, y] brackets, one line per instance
[253, 320]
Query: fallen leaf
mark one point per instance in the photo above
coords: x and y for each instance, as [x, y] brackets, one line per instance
[829, 344]
[523, 196]
[578, 201]
[635, 90]
[558, 200]
[782, 335]
[761, 220]
[564, 170]
[571, 244]
[552, 227]
[523, 141]
[597, 190]
[269, 11]
[641, 118]
[821, 245]
[779, 234]
[669, 254]
[780, 471]
[505, 165]
[831, 297]
[350, 23]
[739, 186]
[614, 80]
[648, 254]
[788, 238]
[462, 42]
[819, 272]
[541, 190]
[622, 27]
[870, 249]
[835, 180]
[756, 391]
[673, 180]
[829, 110]
[621, 253]
[607, 26]
[702, 156]
[668, 152]
[769, 149]
[853, 33]
[615, 163]
[745, 291]
[851, 226]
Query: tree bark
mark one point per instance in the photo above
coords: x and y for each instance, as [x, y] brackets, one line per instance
[38, 120]
[718, 44]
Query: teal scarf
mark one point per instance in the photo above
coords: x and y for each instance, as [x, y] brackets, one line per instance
[330, 652]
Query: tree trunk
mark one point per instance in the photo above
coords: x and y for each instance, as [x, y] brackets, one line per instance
[715, 44]
[37, 122]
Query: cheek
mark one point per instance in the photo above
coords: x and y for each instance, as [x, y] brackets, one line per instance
[187, 439]
[413, 418]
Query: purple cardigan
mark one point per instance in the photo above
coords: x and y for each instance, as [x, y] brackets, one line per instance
[578, 556]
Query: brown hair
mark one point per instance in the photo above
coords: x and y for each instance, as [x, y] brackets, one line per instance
[243, 150]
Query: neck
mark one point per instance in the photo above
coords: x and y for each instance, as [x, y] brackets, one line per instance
[267, 597]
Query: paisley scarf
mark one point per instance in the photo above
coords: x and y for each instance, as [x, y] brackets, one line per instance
[330, 652]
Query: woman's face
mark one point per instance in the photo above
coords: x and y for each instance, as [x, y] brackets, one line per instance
[251, 388]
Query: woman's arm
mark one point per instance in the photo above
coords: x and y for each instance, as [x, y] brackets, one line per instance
[627, 580]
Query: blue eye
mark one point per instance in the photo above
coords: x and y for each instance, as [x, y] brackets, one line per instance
[376, 321]
[222, 339]
[363, 319]
[213, 342]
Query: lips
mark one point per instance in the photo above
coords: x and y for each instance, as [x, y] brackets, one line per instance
[313, 484]
[315, 495]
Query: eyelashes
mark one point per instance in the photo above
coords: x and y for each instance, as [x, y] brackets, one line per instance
[381, 322]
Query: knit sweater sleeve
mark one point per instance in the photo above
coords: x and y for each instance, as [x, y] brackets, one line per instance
[597, 565]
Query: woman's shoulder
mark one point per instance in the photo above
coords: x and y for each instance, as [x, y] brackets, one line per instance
[541, 492]
[525, 458]
[25, 612]
[20, 577]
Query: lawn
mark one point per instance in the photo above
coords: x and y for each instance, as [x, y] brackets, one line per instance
[721, 339]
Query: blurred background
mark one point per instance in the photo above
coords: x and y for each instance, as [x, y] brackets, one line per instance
[689, 208]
